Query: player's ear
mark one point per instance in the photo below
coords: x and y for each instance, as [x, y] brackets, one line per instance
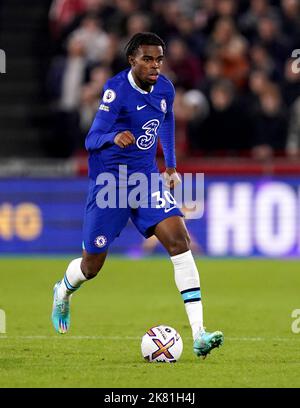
[131, 60]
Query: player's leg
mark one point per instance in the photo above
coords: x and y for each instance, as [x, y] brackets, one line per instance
[78, 271]
[98, 234]
[173, 235]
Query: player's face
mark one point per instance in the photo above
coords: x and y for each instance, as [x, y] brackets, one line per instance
[146, 65]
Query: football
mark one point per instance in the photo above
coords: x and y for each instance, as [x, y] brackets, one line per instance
[162, 344]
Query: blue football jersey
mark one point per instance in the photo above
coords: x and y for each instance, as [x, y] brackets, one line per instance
[147, 115]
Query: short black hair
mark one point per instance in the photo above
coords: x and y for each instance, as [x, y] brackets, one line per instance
[139, 39]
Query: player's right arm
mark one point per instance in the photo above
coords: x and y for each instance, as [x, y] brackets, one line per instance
[101, 132]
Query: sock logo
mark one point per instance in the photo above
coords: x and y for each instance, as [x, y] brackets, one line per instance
[100, 241]
[191, 295]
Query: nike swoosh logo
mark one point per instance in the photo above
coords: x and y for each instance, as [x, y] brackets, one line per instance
[169, 209]
[140, 107]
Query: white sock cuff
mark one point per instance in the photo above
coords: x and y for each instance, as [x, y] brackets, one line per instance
[176, 259]
[186, 272]
[74, 273]
[188, 283]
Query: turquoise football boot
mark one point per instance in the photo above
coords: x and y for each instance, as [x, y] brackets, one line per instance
[60, 312]
[205, 342]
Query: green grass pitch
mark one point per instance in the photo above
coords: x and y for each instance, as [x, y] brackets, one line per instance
[251, 301]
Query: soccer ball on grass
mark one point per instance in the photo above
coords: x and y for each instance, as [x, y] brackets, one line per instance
[162, 344]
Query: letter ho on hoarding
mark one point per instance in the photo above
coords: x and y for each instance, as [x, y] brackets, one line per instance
[2, 62]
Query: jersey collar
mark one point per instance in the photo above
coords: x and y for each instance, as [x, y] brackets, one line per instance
[134, 85]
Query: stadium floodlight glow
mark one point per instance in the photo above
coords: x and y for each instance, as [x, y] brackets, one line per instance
[2, 62]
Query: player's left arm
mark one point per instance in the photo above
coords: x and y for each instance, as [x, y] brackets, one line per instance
[167, 138]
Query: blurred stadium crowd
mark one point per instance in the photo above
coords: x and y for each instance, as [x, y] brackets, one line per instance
[237, 93]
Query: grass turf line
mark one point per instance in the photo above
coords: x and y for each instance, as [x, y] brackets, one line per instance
[251, 301]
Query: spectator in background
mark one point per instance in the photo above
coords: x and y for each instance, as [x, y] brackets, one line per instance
[212, 73]
[89, 103]
[185, 67]
[137, 23]
[230, 47]
[90, 96]
[261, 60]
[248, 22]
[270, 125]
[196, 104]
[291, 20]
[290, 85]
[258, 82]
[248, 43]
[205, 16]
[195, 40]
[293, 140]
[226, 128]
[170, 13]
[123, 10]
[189, 107]
[98, 76]
[181, 113]
[156, 14]
[66, 76]
[187, 6]
[102, 9]
[272, 39]
[114, 56]
[227, 8]
[94, 38]
[62, 13]
[196, 108]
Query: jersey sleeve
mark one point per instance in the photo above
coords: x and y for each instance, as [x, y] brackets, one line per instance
[167, 133]
[101, 132]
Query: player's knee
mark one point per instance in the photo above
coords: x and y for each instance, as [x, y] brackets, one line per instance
[90, 271]
[179, 245]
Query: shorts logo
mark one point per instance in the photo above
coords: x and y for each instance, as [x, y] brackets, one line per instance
[144, 142]
[100, 241]
[163, 105]
[109, 96]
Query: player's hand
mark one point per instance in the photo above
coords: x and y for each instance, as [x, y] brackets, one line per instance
[124, 139]
[171, 177]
